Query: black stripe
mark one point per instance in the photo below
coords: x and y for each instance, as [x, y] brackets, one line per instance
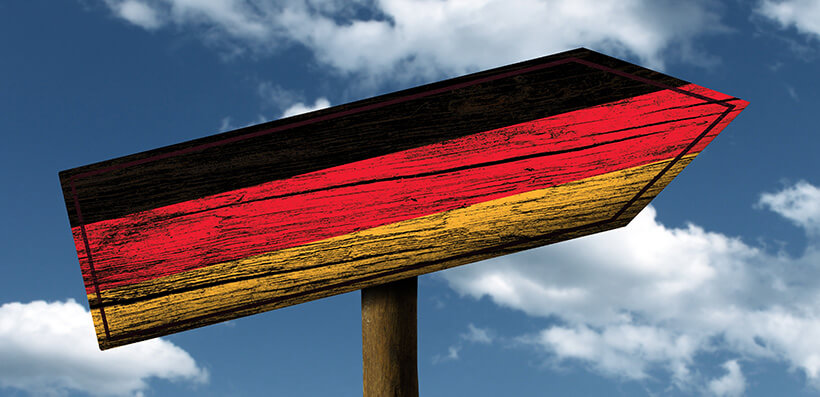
[368, 128]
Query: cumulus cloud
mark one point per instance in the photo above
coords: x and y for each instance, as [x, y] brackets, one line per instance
[477, 335]
[804, 15]
[280, 99]
[622, 350]
[50, 349]
[792, 93]
[300, 107]
[276, 96]
[474, 334]
[225, 124]
[136, 12]
[410, 40]
[799, 203]
[733, 384]
[651, 297]
[452, 355]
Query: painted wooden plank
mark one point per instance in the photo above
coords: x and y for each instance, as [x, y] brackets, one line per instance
[379, 190]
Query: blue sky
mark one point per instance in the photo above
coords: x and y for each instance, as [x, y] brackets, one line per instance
[714, 290]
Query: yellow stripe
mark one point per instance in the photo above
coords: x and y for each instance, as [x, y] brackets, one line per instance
[316, 269]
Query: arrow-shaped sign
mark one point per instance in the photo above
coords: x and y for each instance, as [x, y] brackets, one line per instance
[379, 190]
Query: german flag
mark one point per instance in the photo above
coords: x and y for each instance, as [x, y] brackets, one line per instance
[379, 190]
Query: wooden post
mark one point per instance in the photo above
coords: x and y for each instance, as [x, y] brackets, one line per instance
[389, 340]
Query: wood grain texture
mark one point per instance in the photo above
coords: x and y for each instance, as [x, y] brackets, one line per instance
[379, 190]
[378, 255]
[360, 130]
[399, 186]
[389, 342]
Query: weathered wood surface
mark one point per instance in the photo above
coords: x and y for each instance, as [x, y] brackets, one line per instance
[389, 351]
[506, 160]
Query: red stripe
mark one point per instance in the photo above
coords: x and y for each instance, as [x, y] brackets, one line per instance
[232, 225]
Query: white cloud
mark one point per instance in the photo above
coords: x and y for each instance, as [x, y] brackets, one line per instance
[300, 107]
[792, 93]
[649, 296]
[623, 265]
[420, 40]
[620, 350]
[452, 355]
[477, 335]
[279, 98]
[733, 384]
[799, 203]
[804, 15]
[50, 349]
[225, 125]
[474, 335]
[137, 12]
[276, 96]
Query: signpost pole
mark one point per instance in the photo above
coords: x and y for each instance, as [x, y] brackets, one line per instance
[389, 340]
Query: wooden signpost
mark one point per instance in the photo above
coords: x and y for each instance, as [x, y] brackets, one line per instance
[379, 190]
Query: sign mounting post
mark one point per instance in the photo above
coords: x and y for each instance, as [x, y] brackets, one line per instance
[389, 342]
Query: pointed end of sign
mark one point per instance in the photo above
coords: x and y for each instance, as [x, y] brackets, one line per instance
[729, 107]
